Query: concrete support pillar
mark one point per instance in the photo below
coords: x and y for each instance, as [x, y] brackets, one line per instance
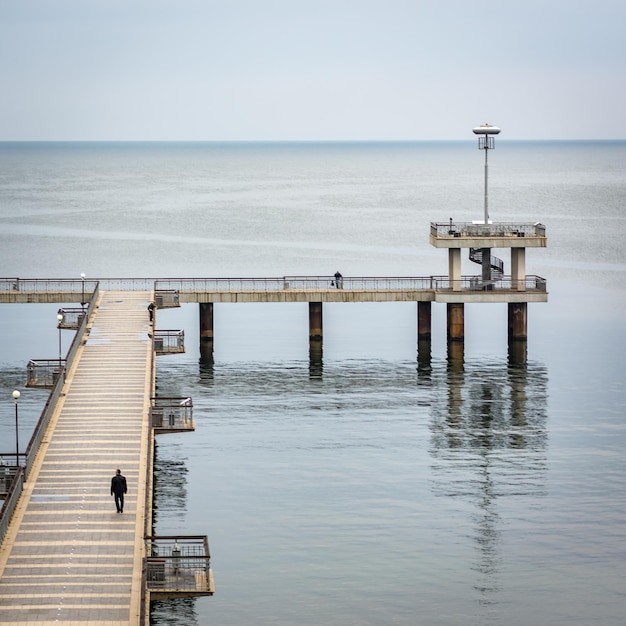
[206, 321]
[454, 268]
[424, 312]
[316, 329]
[518, 321]
[518, 268]
[456, 321]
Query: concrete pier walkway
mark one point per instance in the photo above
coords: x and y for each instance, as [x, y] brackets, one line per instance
[69, 558]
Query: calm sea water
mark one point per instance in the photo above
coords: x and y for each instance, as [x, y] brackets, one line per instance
[367, 491]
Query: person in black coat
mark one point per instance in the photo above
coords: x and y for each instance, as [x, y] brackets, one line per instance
[118, 489]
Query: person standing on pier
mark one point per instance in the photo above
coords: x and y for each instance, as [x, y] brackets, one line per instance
[118, 489]
[338, 280]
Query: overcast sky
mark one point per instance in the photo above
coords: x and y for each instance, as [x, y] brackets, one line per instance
[311, 69]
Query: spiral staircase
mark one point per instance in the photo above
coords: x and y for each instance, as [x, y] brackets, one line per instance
[496, 264]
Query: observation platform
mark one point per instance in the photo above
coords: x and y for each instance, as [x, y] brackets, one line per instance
[491, 235]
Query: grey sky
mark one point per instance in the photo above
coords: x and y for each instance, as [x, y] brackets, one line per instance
[311, 69]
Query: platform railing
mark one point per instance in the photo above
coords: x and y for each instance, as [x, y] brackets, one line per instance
[7, 474]
[71, 318]
[476, 283]
[178, 565]
[43, 373]
[167, 298]
[169, 341]
[496, 229]
[171, 414]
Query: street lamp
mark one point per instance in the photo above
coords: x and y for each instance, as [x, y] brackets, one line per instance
[82, 301]
[16, 397]
[486, 142]
[59, 322]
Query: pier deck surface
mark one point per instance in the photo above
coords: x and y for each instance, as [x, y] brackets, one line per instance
[69, 558]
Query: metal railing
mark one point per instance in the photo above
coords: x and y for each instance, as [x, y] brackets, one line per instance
[168, 290]
[169, 341]
[7, 475]
[71, 318]
[178, 564]
[476, 283]
[167, 298]
[173, 414]
[78, 287]
[44, 373]
[496, 229]
[195, 285]
[10, 502]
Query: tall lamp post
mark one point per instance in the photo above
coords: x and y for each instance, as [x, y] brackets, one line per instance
[486, 141]
[82, 301]
[59, 322]
[16, 397]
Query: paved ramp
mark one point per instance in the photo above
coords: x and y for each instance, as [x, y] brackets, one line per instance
[69, 558]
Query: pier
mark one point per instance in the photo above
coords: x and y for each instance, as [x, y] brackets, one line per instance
[67, 555]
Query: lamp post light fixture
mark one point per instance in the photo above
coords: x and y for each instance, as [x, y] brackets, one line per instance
[16, 397]
[82, 301]
[59, 323]
[486, 141]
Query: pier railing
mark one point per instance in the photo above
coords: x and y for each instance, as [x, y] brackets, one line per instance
[194, 285]
[10, 502]
[168, 290]
[497, 229]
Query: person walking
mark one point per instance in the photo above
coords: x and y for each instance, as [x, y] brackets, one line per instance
[151, 308]
[118, 489]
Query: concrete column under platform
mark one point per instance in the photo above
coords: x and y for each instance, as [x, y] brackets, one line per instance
[454, 268]
[518, 321]
[518, 268]
[456, 321]
[518, 332]
[316, 329]
[456, 334]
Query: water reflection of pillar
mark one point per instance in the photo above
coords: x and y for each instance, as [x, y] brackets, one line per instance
[424, 333]
[316, 361]
[206, 331]
[454, 419]
[489, 441]
[518, 381]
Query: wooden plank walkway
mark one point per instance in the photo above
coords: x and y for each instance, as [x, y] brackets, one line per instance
[69, 558]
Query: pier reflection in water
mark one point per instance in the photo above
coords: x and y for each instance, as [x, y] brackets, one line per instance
[489, 443]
